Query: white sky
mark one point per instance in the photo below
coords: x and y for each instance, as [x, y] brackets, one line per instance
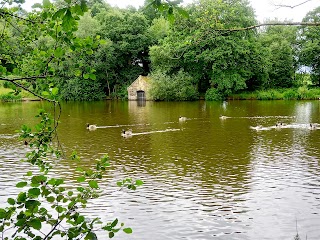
[264, 8]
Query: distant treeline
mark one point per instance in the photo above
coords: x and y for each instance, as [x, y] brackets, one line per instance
[194, 56]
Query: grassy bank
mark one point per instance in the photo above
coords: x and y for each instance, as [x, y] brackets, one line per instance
[301, 93]
[6, 95]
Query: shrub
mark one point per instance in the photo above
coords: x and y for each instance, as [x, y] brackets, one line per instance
[177, 87]
[290, 94]
[120, 93]
[9, 97]
[213, 94]
[78, 89]
[269, 95]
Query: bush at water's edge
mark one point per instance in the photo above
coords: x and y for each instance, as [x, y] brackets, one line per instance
[301, 93]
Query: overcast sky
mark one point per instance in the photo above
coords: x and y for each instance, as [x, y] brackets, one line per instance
[264, 8]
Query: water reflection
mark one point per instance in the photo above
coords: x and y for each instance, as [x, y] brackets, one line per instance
[204, 177]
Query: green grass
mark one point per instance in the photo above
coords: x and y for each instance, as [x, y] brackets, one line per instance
[6, 95]
[301, 93]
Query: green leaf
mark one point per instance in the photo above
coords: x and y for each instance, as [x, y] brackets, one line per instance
[31, 204]
[103, 42]
[59, 198]
[114, 223]
[93, 184]
[46, 3]
[81, 179]
[50, 199]
[21, 184]
[67, 21]
[34, 192]
[3, 213]
[45, 94]
[80, 219]
[111, 234]
[119, 184]
[59, 13]
[22, 197]
[59, 182]
[127, 230]
[29, 173]
[11, 201]
[139, 182]
[55, 91]
[91, 236]
[59, 52]
[70, 193]
[92, 76]
[86, 76]
[68, 1]
[35, 223]
[77, 72]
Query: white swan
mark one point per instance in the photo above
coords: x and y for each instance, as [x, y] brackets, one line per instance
[91, 127]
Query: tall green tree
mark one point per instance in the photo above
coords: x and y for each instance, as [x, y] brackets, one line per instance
[310, 45]
[127, 31]
[203, 46]
[280, 53]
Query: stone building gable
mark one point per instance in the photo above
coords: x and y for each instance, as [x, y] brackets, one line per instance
[139, 87]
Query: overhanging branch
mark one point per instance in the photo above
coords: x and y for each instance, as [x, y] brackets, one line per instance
[314, 24]
[291, 6]
[23, 78]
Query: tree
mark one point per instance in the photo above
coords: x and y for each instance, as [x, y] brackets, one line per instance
[310, 45]
[128, 33]
[280, 49]
[222, 60]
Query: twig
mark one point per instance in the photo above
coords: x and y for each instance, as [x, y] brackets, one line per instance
[3, 12]
[291, 6]
[24, 78]
[270, 24]
[35, 94]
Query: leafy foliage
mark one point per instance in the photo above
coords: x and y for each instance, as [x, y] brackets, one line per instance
[178, 87]
[310, 45]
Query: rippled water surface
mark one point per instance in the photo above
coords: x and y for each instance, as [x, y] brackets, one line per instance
[209, 177]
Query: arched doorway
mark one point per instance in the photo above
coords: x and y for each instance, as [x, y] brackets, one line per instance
[141, 96]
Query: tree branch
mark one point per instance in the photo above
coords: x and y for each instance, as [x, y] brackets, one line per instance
[271, 24]
[291, 6]
[24, 78]
[32, 92]
[3, 12]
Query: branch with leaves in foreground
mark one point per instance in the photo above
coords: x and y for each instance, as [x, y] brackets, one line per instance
[45, 207]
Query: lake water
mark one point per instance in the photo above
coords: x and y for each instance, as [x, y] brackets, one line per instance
[205, 178]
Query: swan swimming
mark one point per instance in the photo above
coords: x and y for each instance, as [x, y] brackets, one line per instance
[91, 127]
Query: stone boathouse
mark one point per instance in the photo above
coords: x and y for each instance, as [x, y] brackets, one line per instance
[139, 89]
